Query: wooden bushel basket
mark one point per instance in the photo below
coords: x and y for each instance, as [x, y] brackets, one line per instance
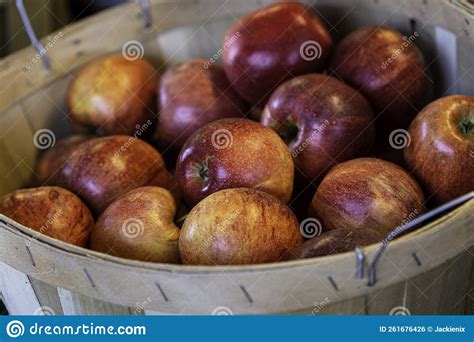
[429, 271]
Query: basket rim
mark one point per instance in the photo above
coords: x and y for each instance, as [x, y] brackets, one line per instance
[58, 245]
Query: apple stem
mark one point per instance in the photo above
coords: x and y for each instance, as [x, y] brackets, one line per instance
[288, 131]
[204, 173]
[179, 221]
[466, 126]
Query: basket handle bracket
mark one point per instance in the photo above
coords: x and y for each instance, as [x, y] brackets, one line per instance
[31, 34]
[145, 4]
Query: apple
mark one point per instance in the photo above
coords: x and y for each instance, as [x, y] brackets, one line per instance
[48, 167]
[114, 94]
[388, 69]
[323, 121]
[234, 153]
[367, 193]
[102, 169]
[139, 225]
[337, 241]
[441, 151]
[238, 226]
[50, 210]
[191, 95]
[272, 45]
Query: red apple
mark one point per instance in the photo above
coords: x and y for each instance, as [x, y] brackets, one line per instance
[272, 45]
[193, 94]
[114, 94]
[388, 69]
[233, 153]
[50, 210]
[139, 225]
[102, 169]
[48, 167]
[323, 121]
[441, 151]
[367, 193]
[337, 241]
[239, 226]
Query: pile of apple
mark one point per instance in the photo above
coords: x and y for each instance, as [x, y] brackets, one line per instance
[288, 136]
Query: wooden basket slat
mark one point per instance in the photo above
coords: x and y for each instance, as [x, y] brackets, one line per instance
[198, 289]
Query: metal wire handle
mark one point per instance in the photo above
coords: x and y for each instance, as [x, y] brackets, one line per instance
[31, 34]
[145, 5]
[408, 226]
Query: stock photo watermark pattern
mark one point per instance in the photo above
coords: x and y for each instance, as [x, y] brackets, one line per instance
[399, 139]
[44, 138]
[222, 139]
[133, 50]
[311, 50]
[50, 42]
[407, 41]
[133, 228]
[310, 228]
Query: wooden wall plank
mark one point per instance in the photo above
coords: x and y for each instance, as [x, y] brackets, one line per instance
[77, 304]
[17, 292]
[441, 290]
[48, 297]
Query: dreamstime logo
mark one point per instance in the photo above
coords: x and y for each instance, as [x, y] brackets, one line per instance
[222, 311]
[310, 228]
[133, 228]
[51, 218]
[49, 44]
[133, 50]
[318, 306]
[44, 139]
[407, 41]
[227, 43]
[44, 311]
[140, 307]
[314, 134]
[221, 138]
[311, 50]
[472, 154]
[399, 139]
[406, 219]
[399, 311]
[140, 130]
[15, 329]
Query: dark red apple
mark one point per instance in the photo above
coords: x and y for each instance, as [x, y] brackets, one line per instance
[367, 193]
[272, 45]
[50, 210]
[441, 151]
[337, 241]
[114, 94]
[139, 225]
[233, 153]
[102, 169]
[388, 69]
[323, 121]
[193, 94]
[239, 226]
[48, 167]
